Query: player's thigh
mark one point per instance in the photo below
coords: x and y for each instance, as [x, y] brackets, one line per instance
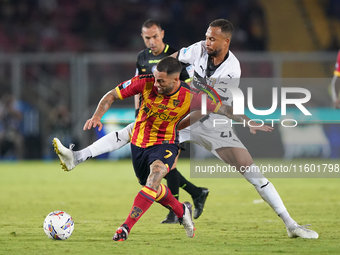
[212, 140]
[238, 157]
[142, 158]
[167, 153]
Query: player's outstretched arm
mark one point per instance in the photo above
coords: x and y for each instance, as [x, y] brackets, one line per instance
[189, 120]
[103, 106]
[228, 111]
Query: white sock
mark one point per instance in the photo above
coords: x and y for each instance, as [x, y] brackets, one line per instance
[288, 221]
[110, 142]
[82, 155]
[268, 193]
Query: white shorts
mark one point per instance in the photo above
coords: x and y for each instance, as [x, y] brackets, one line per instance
[209, 139]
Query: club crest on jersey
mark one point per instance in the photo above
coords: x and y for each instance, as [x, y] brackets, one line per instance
[136, 212]
[176, 102]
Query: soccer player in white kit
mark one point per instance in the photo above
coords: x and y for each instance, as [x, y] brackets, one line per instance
[214, 66]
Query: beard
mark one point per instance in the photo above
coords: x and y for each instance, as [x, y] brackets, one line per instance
[214, 53]
[165, 91]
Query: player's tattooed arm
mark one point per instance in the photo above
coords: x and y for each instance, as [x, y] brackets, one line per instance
[103, 106]
[228, 111]
[189, 120]
[105, 103]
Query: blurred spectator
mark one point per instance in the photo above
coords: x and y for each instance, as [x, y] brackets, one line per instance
[60, 126]
[105, 25]
[11, 138]
[254, 23]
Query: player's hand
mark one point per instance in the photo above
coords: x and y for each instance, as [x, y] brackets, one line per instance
[92, 123]
[256, 126]
[336, 104]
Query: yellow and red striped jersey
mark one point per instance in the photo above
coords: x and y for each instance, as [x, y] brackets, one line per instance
[159, 114]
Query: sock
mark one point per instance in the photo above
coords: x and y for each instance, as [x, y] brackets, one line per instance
[141, 204]
[285, 217]
[82, 155]
[267, 192]
[194, 191]
[173, 180]
[112, 141]
[166, 199]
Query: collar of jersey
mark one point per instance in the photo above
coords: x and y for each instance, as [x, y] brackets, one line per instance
[165, 49]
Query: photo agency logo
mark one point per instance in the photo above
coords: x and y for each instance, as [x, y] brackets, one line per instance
[302, 96]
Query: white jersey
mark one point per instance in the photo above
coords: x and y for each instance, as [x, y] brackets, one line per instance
[227, 74]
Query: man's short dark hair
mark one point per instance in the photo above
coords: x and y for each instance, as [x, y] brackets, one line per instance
[151, 22]
[225, 25]
[169, 65]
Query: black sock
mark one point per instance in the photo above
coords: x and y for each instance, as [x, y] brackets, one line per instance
[172, 179]
[194, 191]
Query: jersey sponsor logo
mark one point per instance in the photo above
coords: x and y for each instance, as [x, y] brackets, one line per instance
[127, 83]
[154, 61]
[168, 155]
[161, 115]
[162, 106]
[136, 212]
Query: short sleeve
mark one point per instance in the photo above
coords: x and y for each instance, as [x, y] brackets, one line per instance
[130, 87]
[189, 55]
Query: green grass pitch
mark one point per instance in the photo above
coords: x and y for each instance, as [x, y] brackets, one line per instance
[99, 194]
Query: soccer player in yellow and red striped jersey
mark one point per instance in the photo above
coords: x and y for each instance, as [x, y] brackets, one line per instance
[160, 112]
[154, 143]
[335, 85]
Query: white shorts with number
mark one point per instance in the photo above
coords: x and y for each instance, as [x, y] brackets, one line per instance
[209, 139]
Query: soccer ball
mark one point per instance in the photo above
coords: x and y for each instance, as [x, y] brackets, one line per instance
[58, 225]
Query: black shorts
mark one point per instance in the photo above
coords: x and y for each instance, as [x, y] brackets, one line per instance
[183, 146]
[142, 158]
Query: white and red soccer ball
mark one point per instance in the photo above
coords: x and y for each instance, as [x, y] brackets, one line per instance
[58, 225]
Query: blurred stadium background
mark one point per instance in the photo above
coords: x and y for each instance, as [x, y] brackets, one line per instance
[58, 57]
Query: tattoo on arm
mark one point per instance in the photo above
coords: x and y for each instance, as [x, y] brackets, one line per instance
[228, 111]
[106, 102]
